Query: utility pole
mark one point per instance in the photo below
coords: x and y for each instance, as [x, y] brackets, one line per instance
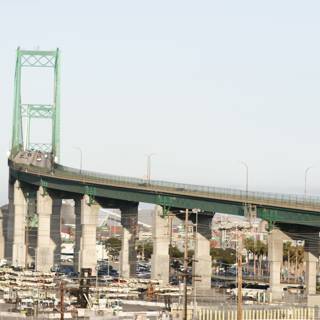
[27, 245]
[239, 275]
[305, 180]
[170, 217]
[80, 152]
[149, 166]
[194, 286]
[61, 301]
[142, 253]
[97, 271]
[185, 264]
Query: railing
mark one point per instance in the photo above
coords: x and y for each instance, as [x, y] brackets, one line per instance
[311, 203]
[265, 313]
[276, 199]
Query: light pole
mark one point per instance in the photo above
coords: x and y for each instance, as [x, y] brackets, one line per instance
[149, 156]
[80, 151]
[185, 264]
[305, 179]
[239, 274]
[247, 177]
[247, 186]
[194, 286]
[97, 294]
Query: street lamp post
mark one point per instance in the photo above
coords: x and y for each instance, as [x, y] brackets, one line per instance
[305, 179]
[247, 187]
[149, 166]
[239, 274]
[185, 264]
[247, 178]
[194, 278]
[80, 151]
[97, 294]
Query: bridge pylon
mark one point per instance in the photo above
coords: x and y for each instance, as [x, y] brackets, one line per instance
[25, 112]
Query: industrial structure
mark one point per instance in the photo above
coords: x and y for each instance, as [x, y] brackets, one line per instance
[38, 183]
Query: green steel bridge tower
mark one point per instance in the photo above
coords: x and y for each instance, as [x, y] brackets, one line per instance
[38, 185]
[25, 112]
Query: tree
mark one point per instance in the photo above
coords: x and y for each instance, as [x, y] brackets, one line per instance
[113, 245]
[293, 254]
[248, 244]
[258, 249]
[145, 249]
[227, 256]
[261, 250]
[190, 253]
[174, 252]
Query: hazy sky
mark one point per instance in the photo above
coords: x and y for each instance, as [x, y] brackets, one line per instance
[203, 84]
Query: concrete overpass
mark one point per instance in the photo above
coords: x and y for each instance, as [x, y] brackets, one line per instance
[37, 183]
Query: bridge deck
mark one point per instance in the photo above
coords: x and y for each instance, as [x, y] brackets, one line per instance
[296, 202]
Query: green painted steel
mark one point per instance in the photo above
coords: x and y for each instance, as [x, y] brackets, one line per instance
[303, 202]
[289, 216]
[21, 140]
[17, 140]
[169, 198]
[273, 207]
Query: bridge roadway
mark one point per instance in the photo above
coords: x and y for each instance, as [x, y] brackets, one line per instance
[273, 207]
[35, 186]
[110, 191]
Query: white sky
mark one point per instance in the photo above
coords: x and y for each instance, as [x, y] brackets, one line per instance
[203, 84]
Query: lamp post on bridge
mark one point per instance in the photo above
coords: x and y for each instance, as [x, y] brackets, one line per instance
[305, 180]
[80, 151]
[247, 178]
[149, 156]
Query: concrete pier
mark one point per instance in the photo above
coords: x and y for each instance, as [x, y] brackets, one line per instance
[250, 212]
[55, 232]
[20, 213]
[202, 265]
[311, 272]
[85, 255]
[128, 254]
[31, 230]
[161, 239]
[8, 215]
[2, 234]
[275, 256]
[45, 249]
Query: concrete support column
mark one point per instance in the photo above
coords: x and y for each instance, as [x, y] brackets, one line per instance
[2, 234]
[124, 254]
[45, 249]
[19, 226]
[128, 254]
[85, 255]
[56, 230]
[275, 256]
[161, 240]
[311, 272]
[9, 223]
[202, 266]
[32, 231]
[250, 212]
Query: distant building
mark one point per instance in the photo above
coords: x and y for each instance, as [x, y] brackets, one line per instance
[225, 230]
[145, 235]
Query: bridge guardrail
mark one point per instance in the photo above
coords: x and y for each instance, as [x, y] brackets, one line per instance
[311, 203]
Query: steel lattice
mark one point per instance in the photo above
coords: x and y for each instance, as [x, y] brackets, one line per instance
[26, 112]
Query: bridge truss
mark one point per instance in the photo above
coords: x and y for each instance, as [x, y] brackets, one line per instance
[21, 139]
